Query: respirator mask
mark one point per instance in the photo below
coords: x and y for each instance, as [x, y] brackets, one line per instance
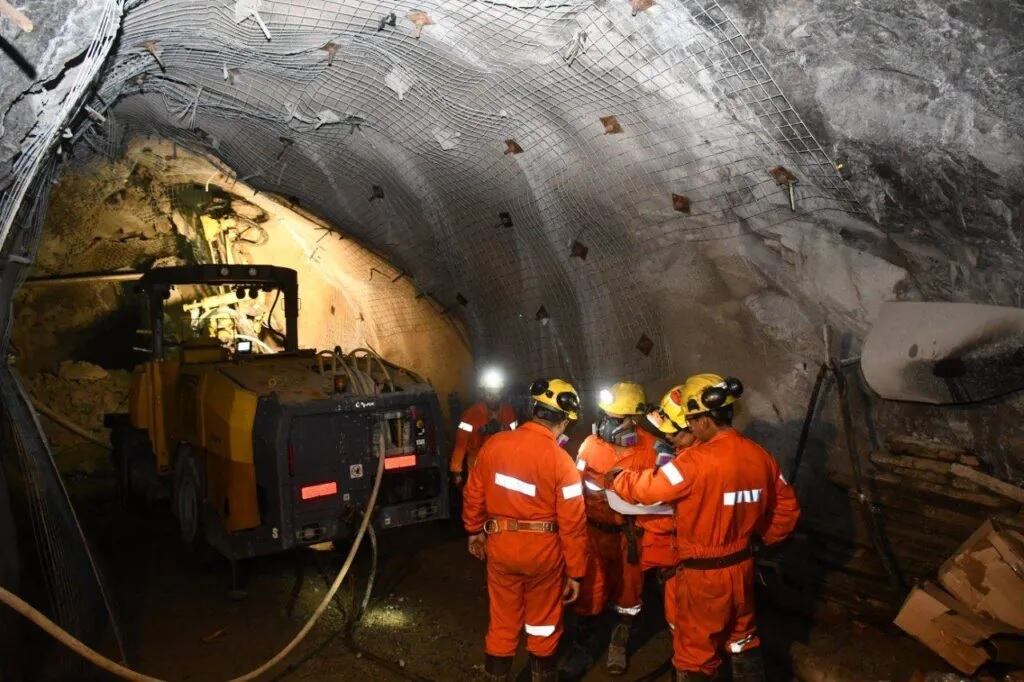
[663, 453]
[621, 432]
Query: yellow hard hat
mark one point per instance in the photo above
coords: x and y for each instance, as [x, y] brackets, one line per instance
[704, 392]
[625, 397]
[558, 395]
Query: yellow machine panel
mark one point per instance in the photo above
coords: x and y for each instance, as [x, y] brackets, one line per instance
[204, 408]
[151, 392]
[228, 412]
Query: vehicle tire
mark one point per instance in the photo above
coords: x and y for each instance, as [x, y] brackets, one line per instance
[132, 458]
[188, 503]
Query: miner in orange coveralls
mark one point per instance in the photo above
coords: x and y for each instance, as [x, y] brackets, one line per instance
[524, 512]
[658, 550]
[615, 573]
[479, 422]
[727, 492]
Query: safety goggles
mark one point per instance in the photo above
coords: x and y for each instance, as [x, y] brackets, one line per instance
[566, 401]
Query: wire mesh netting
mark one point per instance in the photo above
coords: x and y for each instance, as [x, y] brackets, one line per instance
[489, 138]
[55, 558]
[525, 152]
[51, 552]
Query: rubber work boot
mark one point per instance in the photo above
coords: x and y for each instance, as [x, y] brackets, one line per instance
[497, 668]
[582, 649]
[543, 668]
[691, 676]
[617, 662]
[748, 666]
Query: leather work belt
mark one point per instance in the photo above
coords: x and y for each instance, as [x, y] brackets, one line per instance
[707, 563]
[492, 526]
[604, 527]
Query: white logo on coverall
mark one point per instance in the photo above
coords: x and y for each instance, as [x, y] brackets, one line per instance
[741, 497]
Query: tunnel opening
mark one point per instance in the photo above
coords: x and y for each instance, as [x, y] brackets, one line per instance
[597, 191]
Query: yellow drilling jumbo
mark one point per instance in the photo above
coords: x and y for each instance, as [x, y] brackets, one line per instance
[261, 452]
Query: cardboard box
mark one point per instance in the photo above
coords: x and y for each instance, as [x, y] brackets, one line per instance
[987, 574]
[946, 627]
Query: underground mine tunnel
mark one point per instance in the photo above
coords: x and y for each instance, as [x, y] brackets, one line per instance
[299, 294]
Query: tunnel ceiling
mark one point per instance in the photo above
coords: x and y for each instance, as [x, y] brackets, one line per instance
[590, 185]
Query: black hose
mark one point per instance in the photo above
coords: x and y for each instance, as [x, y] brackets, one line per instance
[805, 431]
[350, 631]
[370, 580]
[869, 510]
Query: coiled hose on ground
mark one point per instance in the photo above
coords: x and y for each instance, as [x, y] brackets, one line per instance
[99, 660]
[362, 382]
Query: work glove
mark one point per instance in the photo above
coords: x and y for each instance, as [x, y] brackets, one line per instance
[478, 545]
[664, 453]
[609, 478]
[572, 591]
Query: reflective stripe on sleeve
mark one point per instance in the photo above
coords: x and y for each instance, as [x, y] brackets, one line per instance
[628, 610]
[513, 426]
[671, 473]
[593, 486]
[540, 630]
[468, 428]
[581, 464]
[571, 491]
[729, 499]
[513, 483]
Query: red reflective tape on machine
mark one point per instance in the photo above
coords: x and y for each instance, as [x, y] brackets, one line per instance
[400, 462]
[310, 492]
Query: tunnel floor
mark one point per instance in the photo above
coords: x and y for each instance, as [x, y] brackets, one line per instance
[425, 621]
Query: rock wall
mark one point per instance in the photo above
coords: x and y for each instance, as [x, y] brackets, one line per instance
[921, 102]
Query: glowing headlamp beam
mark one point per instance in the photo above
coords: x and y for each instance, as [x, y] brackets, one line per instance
[492, 379]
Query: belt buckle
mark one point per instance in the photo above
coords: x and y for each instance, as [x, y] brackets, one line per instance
[491, 526]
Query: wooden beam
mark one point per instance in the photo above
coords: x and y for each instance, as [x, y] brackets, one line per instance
[992, 483]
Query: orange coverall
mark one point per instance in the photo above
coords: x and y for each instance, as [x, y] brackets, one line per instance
[610, 576]
[724, 491]
[524, 475]
[468, 437]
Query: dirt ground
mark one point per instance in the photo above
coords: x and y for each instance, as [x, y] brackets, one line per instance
[425, 621]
